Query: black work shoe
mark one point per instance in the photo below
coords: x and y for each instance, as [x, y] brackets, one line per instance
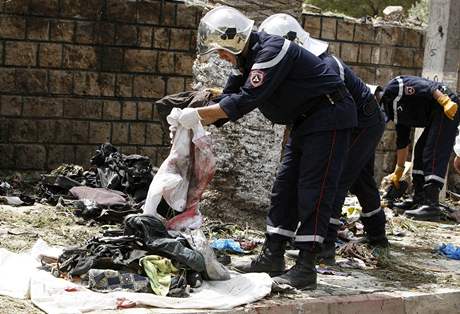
[270, 260]
[429, 210]
[407, 204]
[327, 254]
[425, 213]
[302, 275]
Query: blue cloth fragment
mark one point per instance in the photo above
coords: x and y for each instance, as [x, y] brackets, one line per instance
[227, 245]
[449, 250]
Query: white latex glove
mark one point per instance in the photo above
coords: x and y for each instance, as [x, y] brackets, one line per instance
[189, 118]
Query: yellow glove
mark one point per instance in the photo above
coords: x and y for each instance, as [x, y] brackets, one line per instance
[215, 91]
[396, 176]
[450, 107]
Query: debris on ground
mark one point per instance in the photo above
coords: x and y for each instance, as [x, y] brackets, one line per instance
[360, 255]
[96, 254]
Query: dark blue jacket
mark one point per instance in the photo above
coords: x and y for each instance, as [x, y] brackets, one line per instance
[283, 80]
[411, 97]
[361, 94]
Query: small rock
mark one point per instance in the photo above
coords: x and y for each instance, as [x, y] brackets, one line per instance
[393, 13]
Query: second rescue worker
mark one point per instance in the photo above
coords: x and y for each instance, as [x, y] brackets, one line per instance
[289, 85]
[358, 173]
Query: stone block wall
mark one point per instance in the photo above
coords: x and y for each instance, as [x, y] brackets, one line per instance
[376, 54]
[78, 73]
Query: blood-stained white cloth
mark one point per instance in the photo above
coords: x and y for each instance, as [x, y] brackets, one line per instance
[184, 175]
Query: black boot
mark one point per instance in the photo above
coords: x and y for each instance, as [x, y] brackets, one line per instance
[327, 254]
[417, 199]
[302, 275]
[430, 209]
[270, 260]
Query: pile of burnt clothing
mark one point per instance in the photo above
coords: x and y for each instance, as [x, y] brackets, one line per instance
[116, 185]
[59, 181]
[143, 257]
[130, 174]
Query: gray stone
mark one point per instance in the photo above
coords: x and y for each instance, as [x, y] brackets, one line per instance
[247, 153]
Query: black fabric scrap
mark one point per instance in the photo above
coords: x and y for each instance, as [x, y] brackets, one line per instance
[118, 253]
[192, 99]
[157, 240]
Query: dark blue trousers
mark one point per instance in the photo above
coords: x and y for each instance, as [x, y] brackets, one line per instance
[304, 190]
[433, 149]
[358, 177]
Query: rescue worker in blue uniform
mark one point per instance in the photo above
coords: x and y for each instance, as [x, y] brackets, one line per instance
[412, 101]
[358, 173]
[289, 85]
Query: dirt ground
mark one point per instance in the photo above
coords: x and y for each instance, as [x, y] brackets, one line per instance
[414, 265]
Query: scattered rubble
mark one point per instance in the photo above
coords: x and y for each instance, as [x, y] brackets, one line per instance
[395, 17]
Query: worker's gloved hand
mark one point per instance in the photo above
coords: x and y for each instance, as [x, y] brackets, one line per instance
[215, 91]
[395, 177]
[189, 118]
[450, 107]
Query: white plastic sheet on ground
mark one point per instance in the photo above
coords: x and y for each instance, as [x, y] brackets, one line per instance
[16, 268]
[16, 284]
[55, 295]
[183, 175]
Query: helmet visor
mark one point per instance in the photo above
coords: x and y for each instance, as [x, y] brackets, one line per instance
[228, 38]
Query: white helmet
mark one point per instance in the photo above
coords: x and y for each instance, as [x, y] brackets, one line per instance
[223, 28]
[286, 26]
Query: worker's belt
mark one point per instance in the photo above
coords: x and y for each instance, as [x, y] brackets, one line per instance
[323, 101]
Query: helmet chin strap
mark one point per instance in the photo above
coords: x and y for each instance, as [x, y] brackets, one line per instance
[240, 61]
[241, 57]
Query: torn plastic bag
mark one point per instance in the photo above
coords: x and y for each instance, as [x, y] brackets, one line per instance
[183, 176]
[21, 200]
[5, 187]
[198, 241]
[449, 250]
